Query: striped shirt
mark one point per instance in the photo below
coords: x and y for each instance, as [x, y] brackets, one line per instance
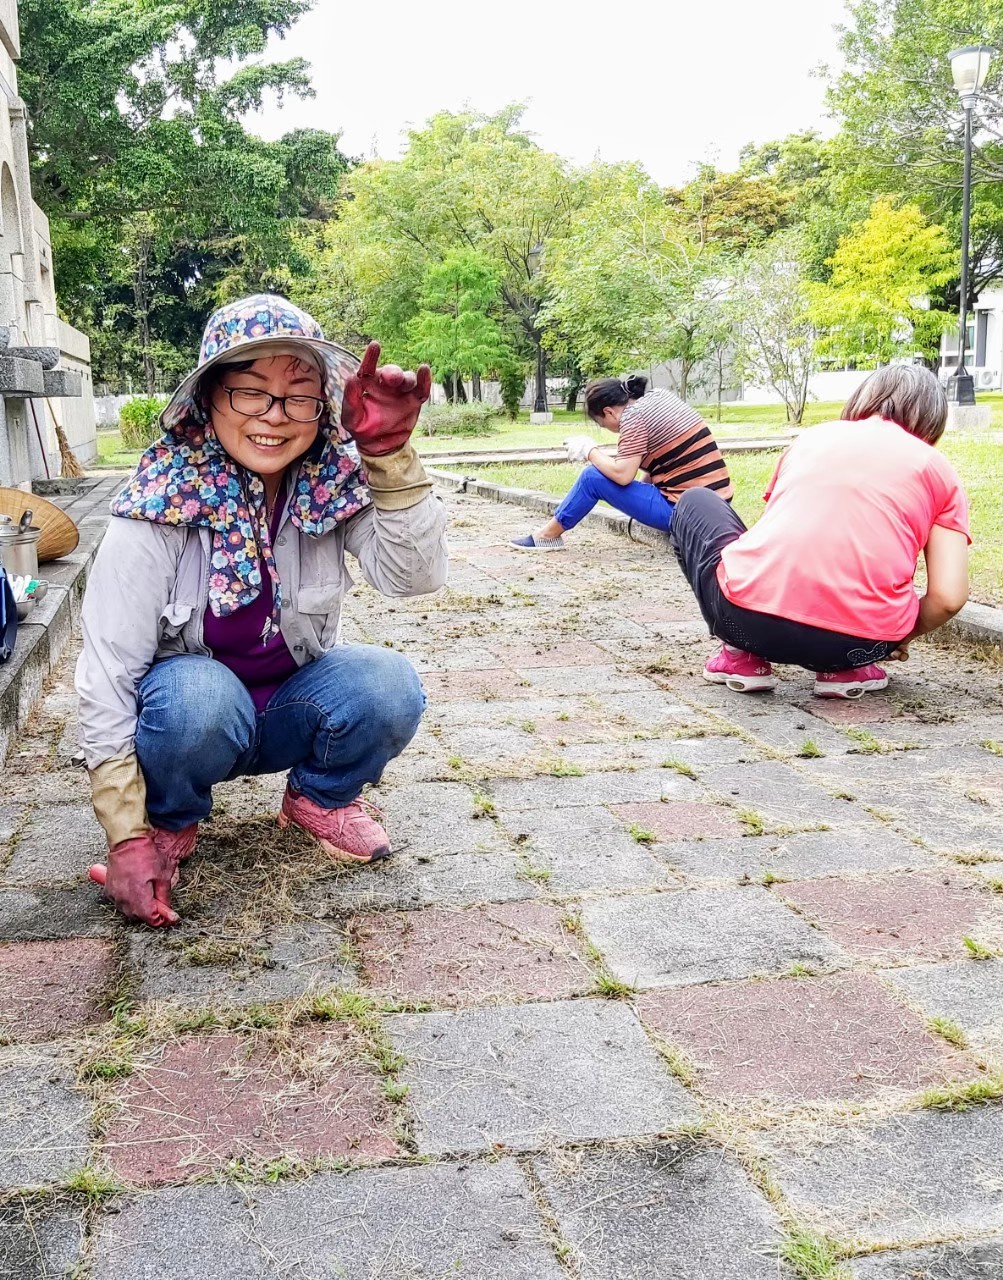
[675, 445]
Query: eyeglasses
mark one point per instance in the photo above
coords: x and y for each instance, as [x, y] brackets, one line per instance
[255, 404]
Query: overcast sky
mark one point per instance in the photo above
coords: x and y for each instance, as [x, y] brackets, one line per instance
[669, 82]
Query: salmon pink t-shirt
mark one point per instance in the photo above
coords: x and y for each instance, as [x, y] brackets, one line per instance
[849, 508]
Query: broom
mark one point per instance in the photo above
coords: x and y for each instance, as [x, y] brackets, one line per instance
[69, 466]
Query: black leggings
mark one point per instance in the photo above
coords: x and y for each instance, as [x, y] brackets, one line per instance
[702, 526]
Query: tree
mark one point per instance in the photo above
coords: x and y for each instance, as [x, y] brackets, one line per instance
[454, 332]
[875, 305]
[902, 124]
[776, 337]
[734, 210]
[159, 200]
[466, 182]
[630, 284]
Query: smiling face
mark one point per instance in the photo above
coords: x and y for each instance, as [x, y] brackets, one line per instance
[268, 443]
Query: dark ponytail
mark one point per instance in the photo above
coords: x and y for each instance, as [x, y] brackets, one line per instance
[605, 393]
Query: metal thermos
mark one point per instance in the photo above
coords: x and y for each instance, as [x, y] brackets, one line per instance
[19, 547]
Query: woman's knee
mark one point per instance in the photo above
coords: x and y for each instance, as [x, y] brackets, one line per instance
[196, 701]
[385, 690]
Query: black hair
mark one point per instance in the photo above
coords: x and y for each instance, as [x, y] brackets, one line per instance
[605, 393]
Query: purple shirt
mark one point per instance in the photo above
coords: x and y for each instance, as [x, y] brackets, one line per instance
[236, 640]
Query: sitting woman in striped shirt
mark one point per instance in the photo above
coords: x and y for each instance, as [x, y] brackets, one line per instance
[659, 434]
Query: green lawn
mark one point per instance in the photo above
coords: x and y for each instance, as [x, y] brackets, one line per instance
[979, 462]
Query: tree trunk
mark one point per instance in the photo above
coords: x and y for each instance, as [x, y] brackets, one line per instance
[540, 399]
[574, 387]
[461, 390]
[478, 394]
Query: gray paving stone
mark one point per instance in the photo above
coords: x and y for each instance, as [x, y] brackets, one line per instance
[284, 963]
[702, 935]
[583, 848]
[27, 914]
[593, 789]
[409, 880]
[627, 1212]
[436, 818]
[967, 993]
[43, 1120]
[188, 1233]
[920, 1176]
[769, 719]
[473, 1221]
[797, 857]
[529, 1075]
[966, 1260]
[39, 1241]
[780, 794]
[697, 754]
[942, 816]
[56, 844]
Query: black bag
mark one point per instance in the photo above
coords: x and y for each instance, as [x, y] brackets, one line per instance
[8, 617]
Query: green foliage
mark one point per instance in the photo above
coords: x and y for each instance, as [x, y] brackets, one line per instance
[160, 203]
[470, 189]
[455, 332]
[472, 419]
[870, 311]
[137, 421]
[902, 123]
[631, 282]
[776, 338]
[512, 379]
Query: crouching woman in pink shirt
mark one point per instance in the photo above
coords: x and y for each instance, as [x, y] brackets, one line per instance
[824, 580]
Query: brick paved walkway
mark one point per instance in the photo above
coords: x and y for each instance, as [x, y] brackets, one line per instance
[662, 981]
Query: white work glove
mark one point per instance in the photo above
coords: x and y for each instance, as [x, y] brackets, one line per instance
[578, 448]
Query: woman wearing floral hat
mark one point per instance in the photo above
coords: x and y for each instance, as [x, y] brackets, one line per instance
[211, 620]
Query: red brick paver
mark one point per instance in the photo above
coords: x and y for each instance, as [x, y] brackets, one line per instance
[495, 682]
[514, 950]
[923, 915]
[564, 653]
[801, 1039]
[49, 989]
[679, 819]
[861, 711]
[211, 1098]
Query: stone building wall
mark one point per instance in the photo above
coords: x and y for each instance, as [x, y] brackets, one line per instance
[44, 363]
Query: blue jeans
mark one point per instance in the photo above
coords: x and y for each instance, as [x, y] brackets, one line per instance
[335, 725]
[644, 503]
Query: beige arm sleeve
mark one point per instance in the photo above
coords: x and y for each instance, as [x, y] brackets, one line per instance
[118, 792]
[397, 480]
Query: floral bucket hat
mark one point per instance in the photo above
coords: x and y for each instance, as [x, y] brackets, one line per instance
[187, 477]
[253, 324]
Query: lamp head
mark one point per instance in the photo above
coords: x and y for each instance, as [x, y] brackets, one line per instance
[970, 66]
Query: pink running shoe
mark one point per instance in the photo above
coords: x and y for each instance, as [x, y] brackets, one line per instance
[176, 845]
[850, 684]
[348, 834]
[741, 671]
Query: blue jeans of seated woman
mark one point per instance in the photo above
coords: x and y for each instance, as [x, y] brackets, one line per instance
[644, 503]
[335, 725]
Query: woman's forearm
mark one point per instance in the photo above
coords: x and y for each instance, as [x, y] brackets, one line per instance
[611, 467]
[933, 613]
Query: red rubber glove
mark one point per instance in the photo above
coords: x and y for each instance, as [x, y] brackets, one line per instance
[138, 881]
[381, 406]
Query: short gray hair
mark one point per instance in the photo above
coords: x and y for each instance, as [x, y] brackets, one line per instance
[906, 394]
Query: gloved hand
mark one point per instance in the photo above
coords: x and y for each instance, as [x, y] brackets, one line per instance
[138, 881]
[578, 448]
[381, 406]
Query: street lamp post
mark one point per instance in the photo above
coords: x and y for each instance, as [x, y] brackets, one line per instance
[969, 66]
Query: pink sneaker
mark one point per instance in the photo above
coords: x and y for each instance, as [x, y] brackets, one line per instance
[741, 671]
[348, 834]
[176, 845]
[850, 684]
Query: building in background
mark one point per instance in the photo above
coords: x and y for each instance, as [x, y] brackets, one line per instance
[45, 375]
